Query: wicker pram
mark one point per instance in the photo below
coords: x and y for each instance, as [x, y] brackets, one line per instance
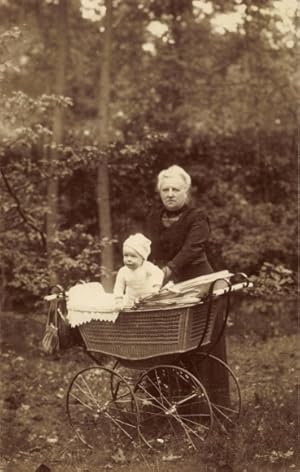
[151, 390]
[142, 334]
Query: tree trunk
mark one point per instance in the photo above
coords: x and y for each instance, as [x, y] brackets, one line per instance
[58, 131]
[103, 198]
[3, 281]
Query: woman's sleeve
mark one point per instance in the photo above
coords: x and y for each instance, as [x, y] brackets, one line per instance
[194, 245]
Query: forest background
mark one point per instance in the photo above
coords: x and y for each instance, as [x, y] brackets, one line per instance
[96, 100]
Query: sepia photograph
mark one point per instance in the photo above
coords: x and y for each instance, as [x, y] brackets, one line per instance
[149, 235]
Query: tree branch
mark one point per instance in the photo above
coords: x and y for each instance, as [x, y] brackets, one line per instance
[21, 211]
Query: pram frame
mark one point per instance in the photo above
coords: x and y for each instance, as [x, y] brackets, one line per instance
[168, 365]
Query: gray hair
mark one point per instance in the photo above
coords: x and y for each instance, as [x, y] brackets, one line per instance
[174, 171]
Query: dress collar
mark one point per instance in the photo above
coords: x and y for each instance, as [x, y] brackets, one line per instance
[174, 213]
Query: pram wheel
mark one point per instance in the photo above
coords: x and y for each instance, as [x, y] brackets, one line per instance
[175, 410]
[224, 394]
[99, 418]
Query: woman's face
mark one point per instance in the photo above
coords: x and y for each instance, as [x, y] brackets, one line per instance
[173, 193]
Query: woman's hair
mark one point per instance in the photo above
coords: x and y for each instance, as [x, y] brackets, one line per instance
[174, 171]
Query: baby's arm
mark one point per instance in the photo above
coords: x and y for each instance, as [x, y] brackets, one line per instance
[157, 277]
[119, 289]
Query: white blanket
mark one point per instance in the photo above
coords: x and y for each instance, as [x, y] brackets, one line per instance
[88, 302]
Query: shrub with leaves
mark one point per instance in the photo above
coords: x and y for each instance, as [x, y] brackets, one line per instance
[274, 280]
[76, 256]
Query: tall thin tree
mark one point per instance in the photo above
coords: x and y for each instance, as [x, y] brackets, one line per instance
[58, 133]
[103, 196]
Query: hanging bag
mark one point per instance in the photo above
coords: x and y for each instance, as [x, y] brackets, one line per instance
[59, 334]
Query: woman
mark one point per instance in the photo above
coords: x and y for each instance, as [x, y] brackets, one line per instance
[178, 231]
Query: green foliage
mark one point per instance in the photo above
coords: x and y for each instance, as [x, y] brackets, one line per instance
[8, 42]
[220, 105]
[22, 260]
[274, 280]
[76, 256]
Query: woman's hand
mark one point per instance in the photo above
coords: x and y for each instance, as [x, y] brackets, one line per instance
[156, 289]
[167, 274]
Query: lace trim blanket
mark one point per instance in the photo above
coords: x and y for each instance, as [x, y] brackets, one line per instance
[88, 302]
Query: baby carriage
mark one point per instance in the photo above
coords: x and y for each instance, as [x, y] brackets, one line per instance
[156, 388]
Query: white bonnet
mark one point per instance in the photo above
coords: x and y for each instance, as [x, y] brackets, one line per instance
[139, 243]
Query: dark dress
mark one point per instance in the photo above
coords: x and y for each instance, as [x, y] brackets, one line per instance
[181, 246]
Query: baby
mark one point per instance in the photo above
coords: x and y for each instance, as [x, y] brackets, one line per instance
[138, 277]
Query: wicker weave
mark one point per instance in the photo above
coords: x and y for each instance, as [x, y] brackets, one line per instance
[144, 334]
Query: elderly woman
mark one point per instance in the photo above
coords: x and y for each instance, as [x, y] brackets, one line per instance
[178, 231]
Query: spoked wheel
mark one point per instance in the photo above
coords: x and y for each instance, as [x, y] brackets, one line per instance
[222, 388]
[175, 410]
[99, 418]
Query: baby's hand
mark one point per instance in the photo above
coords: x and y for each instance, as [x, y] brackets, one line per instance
[119, 303]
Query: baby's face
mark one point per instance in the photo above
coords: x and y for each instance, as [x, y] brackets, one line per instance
[131, 258]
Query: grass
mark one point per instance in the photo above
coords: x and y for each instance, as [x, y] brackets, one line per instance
[264, 439]
[262, 351]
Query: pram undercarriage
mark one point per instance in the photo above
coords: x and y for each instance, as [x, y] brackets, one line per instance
[159, 390]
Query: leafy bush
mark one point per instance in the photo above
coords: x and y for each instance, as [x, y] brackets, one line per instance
[274, 280]
[76, 257]
[250, 227]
